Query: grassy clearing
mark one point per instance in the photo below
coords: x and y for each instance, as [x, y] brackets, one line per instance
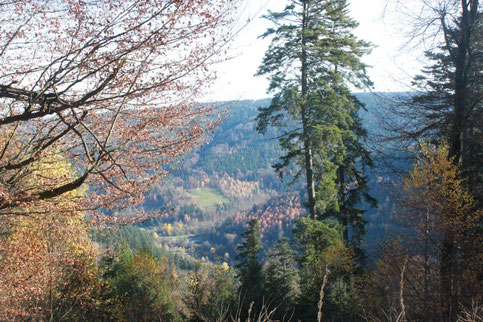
[208, 197]
[176, 236]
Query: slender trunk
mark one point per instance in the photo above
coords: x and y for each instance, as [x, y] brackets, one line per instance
[456, 137]
[427, 308]
[446, 269]
[402, 315]
[309, 168]
[322, 294]
[343, 212]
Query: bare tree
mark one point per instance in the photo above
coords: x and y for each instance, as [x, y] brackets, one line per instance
[448, 101]
[110, 85]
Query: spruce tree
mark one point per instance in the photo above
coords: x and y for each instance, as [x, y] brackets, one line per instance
[250, 270]
[448, 110]
[323, 255]
[313, 58]
[281, 279]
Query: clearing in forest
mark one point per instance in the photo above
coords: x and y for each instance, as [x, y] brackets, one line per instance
[208, 197]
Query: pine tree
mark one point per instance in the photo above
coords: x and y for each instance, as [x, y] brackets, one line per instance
[449, 110]
[353, 187]
[250, 268]
[449, 106]
[312, 59]
[324, 260]
[281, 281]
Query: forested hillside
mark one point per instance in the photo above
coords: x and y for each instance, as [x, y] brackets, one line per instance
[127, 194]
[230, 179]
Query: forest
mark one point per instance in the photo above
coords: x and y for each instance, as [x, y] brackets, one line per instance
[125, 195]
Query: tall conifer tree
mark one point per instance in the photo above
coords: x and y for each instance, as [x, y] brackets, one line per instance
[313, 58]
[281, 281]
[250, 268]
[448, 109]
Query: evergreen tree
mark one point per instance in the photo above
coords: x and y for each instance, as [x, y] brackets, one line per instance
[448, 107]
[449, 111]
[250, 268]
[312, 59]
[281, 281]
[142, 285]
[353, 187]
[324, 262]
[211, 293]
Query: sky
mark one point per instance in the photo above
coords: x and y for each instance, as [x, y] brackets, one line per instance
[390, 60]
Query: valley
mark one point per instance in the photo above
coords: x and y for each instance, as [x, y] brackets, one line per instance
[229, 180]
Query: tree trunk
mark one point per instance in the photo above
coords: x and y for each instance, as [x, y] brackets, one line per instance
[342, 210]
[427, 308]
[322, 294]
[309, 167]
[462, 60]
[402, 315]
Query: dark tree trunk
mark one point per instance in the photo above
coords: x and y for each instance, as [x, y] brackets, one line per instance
[343, 212]
[309, 166]
[461, 57]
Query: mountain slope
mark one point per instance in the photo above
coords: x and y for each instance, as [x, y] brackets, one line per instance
[229, 180]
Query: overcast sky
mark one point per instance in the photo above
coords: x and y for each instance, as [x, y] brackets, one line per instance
[392, 64]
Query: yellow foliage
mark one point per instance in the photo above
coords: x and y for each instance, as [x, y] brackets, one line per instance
[45, 246]
[239, 189]
[225, 266]
[435, 211]
[433, 196]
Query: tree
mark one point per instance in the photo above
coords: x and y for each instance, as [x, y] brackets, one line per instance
[281, 279]
[324, 259]
[448, 107]
[312, 59]
[440, 209]
[143, 286]
[47, 262]
[353, 188]
[211, 294]
[435, 206]
[250, 268]
[111, 85]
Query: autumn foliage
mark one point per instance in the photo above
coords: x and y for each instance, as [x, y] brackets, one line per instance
[434, 206]
[110, 85]
[97, 102]
[47, 261]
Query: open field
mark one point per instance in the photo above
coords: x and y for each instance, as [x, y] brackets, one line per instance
[208, 197]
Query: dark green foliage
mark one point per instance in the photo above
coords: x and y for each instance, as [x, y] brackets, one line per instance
[281, 279]
[250, 270]
[143, 286]
[353, 188]
[448, 107]
[322, 251]
[136, 238]
[312, 58]
[236, 147]
[211, 293]
[449, 111]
